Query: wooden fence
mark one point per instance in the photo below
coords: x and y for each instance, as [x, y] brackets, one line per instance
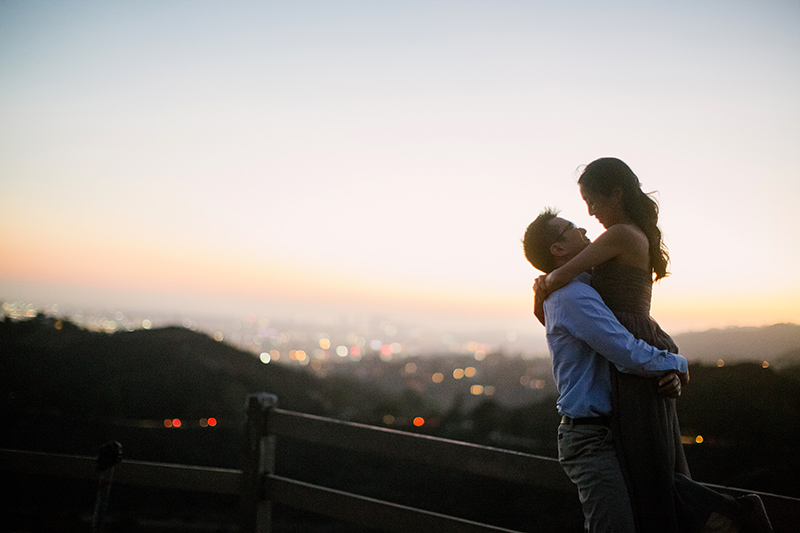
[259, 487]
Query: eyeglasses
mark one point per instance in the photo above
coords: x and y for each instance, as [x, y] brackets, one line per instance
[570, 226]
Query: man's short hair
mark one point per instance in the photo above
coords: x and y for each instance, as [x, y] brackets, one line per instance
[538, 238]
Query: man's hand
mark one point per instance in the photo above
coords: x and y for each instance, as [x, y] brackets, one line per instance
[684, 377]
[670, 384]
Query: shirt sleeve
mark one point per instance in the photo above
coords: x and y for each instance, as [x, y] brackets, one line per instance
[583, 313]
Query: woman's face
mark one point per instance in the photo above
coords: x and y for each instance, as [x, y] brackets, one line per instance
[606, 209]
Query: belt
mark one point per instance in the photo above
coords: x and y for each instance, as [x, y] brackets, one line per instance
[589, 420]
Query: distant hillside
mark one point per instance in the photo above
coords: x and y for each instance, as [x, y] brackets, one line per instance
[52, 368]
[779, 344]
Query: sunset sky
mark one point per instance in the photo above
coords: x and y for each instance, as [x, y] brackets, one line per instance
[310, 159]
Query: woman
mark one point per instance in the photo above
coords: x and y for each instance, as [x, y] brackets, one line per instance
[625, 260]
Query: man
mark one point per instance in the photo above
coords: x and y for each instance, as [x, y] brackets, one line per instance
[583, 336]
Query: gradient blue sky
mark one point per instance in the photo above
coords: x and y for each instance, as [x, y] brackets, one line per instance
[314, 158]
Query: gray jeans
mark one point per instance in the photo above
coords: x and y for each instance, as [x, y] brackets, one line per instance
[586, 453]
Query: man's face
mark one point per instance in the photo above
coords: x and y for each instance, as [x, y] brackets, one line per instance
[571, 239]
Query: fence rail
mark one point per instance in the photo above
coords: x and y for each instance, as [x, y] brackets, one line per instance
[259, 487]
[400, 445]
[128, 472]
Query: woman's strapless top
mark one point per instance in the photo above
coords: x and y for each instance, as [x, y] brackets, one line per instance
[627, 291]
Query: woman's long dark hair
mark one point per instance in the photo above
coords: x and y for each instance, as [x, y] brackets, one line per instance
[603, 176]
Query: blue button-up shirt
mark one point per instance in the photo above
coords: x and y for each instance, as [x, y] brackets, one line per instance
[583, 336]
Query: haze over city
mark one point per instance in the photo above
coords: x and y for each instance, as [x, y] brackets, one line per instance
[329, 161]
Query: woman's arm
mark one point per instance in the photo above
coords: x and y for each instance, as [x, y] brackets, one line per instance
[610, 244]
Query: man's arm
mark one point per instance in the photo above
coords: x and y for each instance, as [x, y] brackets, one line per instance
[586, 317]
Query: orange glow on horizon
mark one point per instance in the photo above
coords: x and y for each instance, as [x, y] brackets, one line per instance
[679, 311]
[39, 257]
[36, 255]
[42, 256]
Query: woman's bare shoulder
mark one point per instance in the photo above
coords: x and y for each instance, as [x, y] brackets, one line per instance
[632, 243]
[626, 232]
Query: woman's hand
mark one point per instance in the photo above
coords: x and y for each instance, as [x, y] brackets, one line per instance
[540, 294]
[538, 306]
[540, 287]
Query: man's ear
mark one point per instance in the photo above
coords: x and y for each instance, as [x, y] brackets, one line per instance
[557, 249]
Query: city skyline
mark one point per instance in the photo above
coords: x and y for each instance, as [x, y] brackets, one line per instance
[334, 163]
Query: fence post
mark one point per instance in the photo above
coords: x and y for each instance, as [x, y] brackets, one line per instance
[258, 462]
[109, 455]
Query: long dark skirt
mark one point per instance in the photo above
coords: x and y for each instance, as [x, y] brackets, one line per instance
[647, 439]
